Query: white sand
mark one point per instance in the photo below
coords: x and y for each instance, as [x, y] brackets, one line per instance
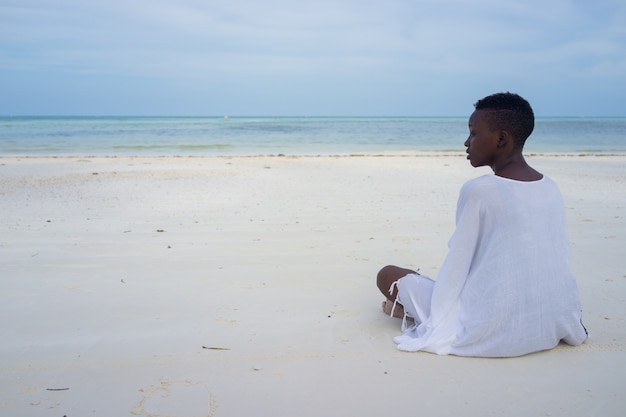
[115, 272]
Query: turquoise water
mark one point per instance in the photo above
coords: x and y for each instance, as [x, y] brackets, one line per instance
[199, 136]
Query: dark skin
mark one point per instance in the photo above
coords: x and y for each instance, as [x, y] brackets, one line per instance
[486, 146]
[496, 148]
[387, 276]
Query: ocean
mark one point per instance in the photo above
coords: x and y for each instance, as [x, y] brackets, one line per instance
[241, 136]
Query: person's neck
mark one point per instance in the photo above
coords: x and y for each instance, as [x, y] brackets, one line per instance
[515, 167]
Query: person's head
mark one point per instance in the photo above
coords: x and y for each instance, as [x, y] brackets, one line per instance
[510, 113]
[498, 128]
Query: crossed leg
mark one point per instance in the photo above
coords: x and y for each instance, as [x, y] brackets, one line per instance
[385, 278]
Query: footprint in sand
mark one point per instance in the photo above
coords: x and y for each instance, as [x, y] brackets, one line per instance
[176, 399]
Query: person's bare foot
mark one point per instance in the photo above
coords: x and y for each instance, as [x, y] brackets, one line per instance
[397, 312]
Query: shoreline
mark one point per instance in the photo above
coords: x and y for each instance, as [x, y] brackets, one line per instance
[390, 154]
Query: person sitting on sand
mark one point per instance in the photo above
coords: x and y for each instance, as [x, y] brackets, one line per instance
[505, 288]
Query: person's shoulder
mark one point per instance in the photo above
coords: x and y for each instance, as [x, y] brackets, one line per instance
[549, 181]
[479, 183]
[478, 190]
[550, 186]
[483, 179]
[491, 180]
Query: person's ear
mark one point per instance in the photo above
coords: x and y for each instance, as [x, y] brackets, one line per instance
[503, 139]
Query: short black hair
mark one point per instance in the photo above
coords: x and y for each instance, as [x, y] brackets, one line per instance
[510, 112]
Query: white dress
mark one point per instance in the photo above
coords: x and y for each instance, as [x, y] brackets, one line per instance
[505, 288]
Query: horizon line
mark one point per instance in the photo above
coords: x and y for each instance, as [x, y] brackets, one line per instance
[226, 117]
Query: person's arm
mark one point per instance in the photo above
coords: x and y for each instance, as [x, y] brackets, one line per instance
[462, 247]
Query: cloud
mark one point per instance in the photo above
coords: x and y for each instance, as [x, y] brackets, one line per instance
[409, 46]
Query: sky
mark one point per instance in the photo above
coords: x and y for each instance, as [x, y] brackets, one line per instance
[309, 57]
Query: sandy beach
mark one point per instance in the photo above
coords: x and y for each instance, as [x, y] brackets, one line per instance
[240, 286]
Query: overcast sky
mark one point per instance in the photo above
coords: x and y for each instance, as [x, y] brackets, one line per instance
[310, 57]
